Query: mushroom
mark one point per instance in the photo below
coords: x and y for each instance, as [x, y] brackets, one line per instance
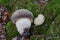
[22, 18]
[39, 20]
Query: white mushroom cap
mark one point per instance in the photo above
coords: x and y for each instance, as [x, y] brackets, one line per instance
[21, 13]
[39, 20]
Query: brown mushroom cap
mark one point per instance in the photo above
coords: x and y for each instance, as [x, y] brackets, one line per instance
[22, 13]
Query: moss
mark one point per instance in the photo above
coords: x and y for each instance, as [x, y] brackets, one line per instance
[11, 30]
[57, 24]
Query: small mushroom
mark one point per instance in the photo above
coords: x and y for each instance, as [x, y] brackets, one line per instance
[39, 20]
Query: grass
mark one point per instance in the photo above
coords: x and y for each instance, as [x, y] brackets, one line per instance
[51, 26]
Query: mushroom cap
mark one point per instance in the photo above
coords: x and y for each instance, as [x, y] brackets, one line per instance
[21, 13]
[39, 20]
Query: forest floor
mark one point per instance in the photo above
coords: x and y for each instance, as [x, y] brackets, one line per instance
[49, 30]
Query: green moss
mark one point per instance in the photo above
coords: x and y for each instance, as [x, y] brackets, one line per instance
[57, 23]
[11, 30]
